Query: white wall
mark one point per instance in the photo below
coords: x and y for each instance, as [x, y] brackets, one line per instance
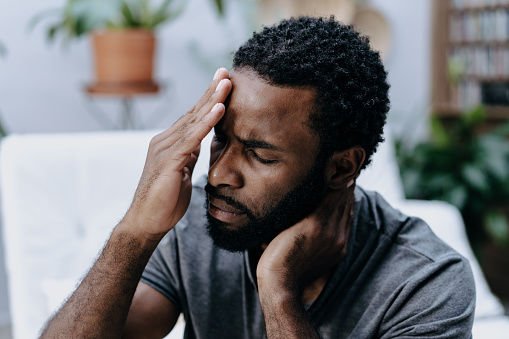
[41, 85]
[409, 63]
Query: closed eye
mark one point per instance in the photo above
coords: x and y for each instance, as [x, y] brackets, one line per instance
[258, 158]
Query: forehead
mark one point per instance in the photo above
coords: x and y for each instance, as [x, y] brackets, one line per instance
[278, 115]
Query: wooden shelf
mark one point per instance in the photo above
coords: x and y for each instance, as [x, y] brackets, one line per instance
[446, 99]
[488, 43]
[474, 9]
[497, 112]
[493, 113]
[127, 89]
[484, 78]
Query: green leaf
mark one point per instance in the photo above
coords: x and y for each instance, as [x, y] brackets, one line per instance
[439, 133]
[52, 30]
[164, 13]
[168, 17]
[457, 197]
[475, 116]
[496, 226]
[475, 177]
[89, 15]
[455, 68]
[494, 154]
[127, 15]
[81, 26]
[163, 8]
[3, 132]
[411, 179]
[503, 130]
[53, 12]
[219, 6]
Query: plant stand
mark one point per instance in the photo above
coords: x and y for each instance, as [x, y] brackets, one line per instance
[126, 92]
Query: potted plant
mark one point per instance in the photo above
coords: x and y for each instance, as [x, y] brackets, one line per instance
[122, 34]
[465, 167]
[468, 168]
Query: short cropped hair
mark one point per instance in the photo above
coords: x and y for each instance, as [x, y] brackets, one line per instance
[337, 62]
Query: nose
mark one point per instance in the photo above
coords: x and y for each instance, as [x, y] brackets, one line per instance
[225, 170]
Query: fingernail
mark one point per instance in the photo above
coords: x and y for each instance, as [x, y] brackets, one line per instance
[220, 84]
[216, 107]
[216, 74]
[350, 183]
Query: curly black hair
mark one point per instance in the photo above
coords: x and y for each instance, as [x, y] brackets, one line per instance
[336, 61]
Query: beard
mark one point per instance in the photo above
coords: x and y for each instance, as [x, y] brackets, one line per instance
[276, 216]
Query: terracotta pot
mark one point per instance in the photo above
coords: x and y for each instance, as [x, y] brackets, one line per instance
[124, 56]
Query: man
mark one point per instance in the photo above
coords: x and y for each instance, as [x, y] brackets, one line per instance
[278, 242]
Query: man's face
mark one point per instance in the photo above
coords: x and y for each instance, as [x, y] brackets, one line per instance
[264, 175]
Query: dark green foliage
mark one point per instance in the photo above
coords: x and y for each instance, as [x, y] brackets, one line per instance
[467, 169]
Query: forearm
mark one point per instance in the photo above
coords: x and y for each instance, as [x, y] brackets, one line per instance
[99, 306]
[285, 315]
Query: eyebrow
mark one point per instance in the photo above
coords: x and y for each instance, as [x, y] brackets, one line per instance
[257, 144]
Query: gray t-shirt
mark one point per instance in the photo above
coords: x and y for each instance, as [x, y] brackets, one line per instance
[398, 280]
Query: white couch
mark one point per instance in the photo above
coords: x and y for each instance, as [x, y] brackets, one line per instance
[62, 194]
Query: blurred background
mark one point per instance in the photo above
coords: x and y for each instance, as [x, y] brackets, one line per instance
[448, 64]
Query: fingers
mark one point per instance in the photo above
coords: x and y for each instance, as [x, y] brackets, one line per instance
[333, 205]
[223, 89]
[221, 73]
[193, 159]
[345, 228]
[334, 219]
[344, 207]
[203, 121]
[182, 149]
[193, 137]
[343, 220]
[184, 137]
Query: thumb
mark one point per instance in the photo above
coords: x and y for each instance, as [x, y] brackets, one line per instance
[191, 163]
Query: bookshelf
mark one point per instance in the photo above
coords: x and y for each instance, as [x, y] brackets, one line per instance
[470, 37]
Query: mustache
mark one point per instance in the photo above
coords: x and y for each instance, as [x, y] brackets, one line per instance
[213, 191]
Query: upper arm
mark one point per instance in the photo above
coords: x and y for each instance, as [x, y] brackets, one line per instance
[152, 315]
[438, 302]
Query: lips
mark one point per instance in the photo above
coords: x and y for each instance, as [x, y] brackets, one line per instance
[223, 205]
[221, 210]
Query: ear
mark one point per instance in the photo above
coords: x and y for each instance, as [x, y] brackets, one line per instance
[343, 167]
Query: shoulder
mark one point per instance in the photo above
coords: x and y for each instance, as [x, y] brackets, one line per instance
[437, 300]
[407, 233]
[430, 287]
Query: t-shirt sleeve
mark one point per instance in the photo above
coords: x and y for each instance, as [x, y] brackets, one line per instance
[162, 271]
[438, 302]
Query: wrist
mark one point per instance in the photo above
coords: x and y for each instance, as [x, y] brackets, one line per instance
[274, 301]
[277, 290]
[132, 229]
[276, 279]
[285, 315]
